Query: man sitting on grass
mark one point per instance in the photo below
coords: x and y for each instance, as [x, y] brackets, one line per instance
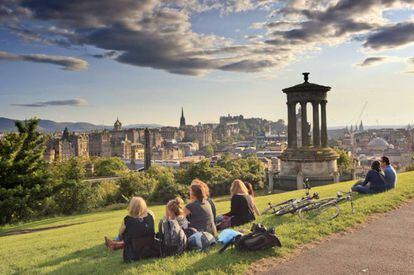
[389, 172]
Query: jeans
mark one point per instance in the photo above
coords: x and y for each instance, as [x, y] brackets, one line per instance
[361, 189]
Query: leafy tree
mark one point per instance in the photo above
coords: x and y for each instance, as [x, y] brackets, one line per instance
[137, 184]
[167, 188]
[208, 151]
[344, 161]
[109, 167]
[71, 193]
[24, 179]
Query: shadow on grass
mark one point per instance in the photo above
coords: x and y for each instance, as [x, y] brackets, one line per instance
[32, 230]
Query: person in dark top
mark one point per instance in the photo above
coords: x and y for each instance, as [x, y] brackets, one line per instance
[241, 209]
[250, 190]
[199, 212]
[136, 235]
[374, 181]
[207, 190]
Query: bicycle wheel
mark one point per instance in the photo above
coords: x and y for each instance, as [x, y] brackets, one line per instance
[272, 208]
[286, 209]
[320, 210]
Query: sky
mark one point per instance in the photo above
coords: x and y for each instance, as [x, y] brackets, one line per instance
[142, 60]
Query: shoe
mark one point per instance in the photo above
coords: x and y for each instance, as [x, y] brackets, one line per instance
[108, 243]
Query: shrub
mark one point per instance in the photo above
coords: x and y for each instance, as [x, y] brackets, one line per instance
[76, 196]
[167, 190]
[409, 168]
[137, 184]
[108, 192]
[109, 167]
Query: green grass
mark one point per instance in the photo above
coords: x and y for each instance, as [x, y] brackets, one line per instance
[79, 248]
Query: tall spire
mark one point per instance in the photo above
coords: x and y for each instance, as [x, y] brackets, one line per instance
[182, 119]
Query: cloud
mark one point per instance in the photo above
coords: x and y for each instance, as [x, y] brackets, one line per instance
[108, 54]
[159, 33]
[77, 102]
[370, 61]
[67, 63]
[391, 36]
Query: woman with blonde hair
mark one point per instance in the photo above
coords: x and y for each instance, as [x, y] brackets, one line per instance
[241, 208]
[199, 212]
[136, 235]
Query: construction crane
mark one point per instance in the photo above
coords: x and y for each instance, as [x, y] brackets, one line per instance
[361, 113]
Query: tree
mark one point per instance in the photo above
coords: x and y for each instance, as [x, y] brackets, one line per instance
[208, 151]
[24, 180]
[344, 161]
[71, 193]
[137, 184]
[109, 167]
[167, 188]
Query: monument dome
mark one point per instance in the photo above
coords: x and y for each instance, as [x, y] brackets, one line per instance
[378, 143]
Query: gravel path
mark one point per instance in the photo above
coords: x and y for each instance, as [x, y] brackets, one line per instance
[383, 246]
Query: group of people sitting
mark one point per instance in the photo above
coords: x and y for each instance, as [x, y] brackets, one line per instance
[137, 235]
[380, 178]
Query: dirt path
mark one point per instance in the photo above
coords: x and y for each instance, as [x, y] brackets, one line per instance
[384, 246]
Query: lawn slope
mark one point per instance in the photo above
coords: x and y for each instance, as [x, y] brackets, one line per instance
[78, 247]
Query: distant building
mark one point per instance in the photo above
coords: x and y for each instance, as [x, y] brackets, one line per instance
[200, 134]
[182, 119]
[117, 125]
[100, 144]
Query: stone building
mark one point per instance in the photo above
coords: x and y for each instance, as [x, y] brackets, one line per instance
[172, 133]
[167, 153]
[200, 134]
[137, 151]
[100, 144]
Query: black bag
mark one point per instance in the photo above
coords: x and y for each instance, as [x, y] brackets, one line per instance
[259, 239]
[141, 248]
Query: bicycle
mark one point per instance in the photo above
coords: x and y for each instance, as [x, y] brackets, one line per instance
[328, 207]
[292, 205]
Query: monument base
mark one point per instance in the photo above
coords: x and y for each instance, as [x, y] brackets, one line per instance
[317, 164]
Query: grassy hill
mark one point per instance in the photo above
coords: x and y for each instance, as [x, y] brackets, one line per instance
[78, 247]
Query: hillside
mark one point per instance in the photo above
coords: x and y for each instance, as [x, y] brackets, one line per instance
[77, 246]
[7, 125]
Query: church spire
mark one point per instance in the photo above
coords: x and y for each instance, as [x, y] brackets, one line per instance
[182, 119]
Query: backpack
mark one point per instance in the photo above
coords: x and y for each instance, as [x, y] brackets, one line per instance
[201, 241]
[173, 238]
[259, 239]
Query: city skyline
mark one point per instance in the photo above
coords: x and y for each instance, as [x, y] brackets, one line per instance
[213, 58]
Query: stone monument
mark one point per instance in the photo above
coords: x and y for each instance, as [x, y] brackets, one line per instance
[147, 149]
[312, 159]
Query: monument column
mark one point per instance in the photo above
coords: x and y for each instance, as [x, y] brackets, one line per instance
[304, 124]
[292, 137]
[316, 135]
[324, 129]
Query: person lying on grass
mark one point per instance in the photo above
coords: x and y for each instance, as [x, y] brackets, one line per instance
[374, 181]
[199, 212]
[138, 223]
[241, 208]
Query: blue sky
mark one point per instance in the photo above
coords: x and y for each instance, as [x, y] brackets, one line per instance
[164, 60]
